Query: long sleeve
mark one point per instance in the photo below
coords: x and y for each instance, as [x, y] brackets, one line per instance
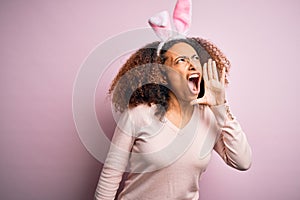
[116, 161]
[232, 145]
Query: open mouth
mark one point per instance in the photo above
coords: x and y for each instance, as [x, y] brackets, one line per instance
[194, 83]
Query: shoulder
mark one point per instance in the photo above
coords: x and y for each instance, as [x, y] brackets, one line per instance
[136, 118]
[142, 115]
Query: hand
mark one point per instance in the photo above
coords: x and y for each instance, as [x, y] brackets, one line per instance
[214, 86]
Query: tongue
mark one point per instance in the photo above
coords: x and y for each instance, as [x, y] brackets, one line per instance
[192, 86]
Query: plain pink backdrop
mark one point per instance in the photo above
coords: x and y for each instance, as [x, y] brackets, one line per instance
[43, 44]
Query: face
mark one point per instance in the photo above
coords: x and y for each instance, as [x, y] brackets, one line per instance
[184, 71]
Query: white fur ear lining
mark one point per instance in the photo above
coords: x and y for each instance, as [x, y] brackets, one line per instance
[161, 24]
[161, 19]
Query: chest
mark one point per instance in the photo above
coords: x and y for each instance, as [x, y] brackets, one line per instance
[187, 148]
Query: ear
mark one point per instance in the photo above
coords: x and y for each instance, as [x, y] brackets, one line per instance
[161, 25]
[182, 16]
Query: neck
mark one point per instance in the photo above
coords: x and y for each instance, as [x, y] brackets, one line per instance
[184, 108]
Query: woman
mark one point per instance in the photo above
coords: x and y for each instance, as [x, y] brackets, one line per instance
[174, 113]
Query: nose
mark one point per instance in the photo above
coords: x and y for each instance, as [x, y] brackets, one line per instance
[191, 66]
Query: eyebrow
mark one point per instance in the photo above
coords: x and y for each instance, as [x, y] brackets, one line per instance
[193, 56]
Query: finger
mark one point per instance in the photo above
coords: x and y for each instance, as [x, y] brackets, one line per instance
[223, 76]
[202, 101]
[205, 75]
[215, 71]
[209, 70]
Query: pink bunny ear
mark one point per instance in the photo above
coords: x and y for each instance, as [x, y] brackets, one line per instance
[161, 25]
[182, 16]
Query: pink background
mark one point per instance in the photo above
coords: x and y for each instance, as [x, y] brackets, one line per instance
[43, 44]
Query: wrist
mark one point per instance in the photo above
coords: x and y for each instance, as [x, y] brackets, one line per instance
[222, 113]
[220, 101]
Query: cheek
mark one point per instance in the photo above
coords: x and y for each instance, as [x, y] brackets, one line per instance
[172, 77]
[175, 79]
[199, 68]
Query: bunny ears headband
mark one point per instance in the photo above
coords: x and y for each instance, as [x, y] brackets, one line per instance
[161, 24]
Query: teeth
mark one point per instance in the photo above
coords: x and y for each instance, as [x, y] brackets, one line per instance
[194, 76]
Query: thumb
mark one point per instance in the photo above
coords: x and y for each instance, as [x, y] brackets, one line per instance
[202, 100]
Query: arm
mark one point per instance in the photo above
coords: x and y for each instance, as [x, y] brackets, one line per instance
[116, 161]
[232, 144]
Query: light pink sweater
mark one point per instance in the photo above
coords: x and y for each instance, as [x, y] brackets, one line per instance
[165, 162]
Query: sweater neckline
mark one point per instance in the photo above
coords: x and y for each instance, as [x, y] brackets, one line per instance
[176, 128]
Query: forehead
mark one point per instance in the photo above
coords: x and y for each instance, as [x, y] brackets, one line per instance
[181, 49]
